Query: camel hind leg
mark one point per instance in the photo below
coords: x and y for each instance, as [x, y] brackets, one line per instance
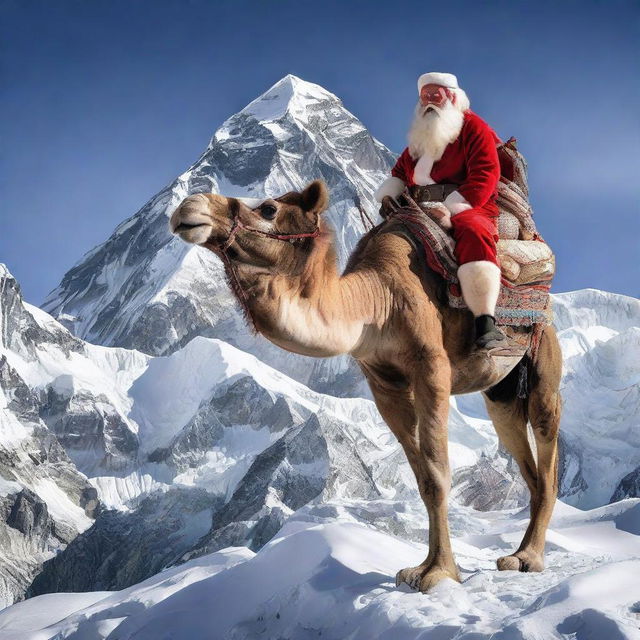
[509, 415]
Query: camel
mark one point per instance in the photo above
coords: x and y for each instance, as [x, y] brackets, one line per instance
[385, 310]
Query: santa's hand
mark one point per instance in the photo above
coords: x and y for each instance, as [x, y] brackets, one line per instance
[440, 214]
[445, 221]
[438, 208]
[387, 207]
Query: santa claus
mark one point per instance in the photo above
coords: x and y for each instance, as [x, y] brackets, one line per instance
[450, 145]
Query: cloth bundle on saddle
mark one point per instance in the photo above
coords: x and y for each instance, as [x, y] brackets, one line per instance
[527, 262]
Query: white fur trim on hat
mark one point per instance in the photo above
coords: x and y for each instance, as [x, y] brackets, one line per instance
[422, 170]
[392, 186]
[437, 77]
[456, 203]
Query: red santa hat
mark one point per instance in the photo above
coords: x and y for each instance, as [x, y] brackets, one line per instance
[437, 77]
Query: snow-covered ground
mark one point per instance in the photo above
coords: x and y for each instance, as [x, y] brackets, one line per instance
[335, 580]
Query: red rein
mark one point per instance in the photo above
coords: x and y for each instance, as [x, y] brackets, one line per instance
[278, 236]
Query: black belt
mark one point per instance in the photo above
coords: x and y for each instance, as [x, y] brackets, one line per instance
[431, 192]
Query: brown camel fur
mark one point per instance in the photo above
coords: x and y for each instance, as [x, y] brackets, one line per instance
[387, 311]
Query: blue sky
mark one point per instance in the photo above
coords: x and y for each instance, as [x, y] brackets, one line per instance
[106, 102]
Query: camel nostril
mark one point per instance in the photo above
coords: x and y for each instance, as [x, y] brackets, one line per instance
[184, 226]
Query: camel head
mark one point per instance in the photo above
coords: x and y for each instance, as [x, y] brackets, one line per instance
[275, 233]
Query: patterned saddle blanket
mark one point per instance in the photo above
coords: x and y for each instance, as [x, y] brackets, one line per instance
[527, 267]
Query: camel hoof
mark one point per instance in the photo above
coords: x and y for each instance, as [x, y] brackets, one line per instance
[422, 578]
[524, 561]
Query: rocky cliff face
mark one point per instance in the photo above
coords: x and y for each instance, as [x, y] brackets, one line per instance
[44, 500]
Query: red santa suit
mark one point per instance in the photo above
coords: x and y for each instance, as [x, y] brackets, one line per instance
[471, 162]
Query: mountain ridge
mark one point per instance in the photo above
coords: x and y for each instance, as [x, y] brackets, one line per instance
[146, 290]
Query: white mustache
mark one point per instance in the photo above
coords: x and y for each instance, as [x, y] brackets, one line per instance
[431, 107]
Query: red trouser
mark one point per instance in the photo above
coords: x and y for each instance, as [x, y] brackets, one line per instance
[476, 233]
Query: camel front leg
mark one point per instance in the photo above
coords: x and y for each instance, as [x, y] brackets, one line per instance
[431, 385]
[398, 408]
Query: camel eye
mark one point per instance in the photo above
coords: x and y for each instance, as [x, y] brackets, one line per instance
[268, 211]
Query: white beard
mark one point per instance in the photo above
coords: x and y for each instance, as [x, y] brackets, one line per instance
[432, 132]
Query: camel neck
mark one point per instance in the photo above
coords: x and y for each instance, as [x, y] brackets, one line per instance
[317, 312]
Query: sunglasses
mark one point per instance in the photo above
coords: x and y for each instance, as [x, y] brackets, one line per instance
[435, 96]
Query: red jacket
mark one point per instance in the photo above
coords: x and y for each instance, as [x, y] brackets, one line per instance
[471, 161]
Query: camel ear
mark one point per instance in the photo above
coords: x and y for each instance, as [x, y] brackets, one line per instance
[315, 197]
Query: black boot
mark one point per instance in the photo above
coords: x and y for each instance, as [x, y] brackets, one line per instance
[488, 336]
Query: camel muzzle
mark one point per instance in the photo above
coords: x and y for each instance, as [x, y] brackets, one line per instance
[185, 226]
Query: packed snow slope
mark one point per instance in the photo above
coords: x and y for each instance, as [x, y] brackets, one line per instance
[329, 577]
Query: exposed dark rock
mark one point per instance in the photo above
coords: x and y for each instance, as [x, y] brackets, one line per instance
[123, 548]
[30, 516]
[243, 402]
[247, 156]
[628, 487]
[87, 425]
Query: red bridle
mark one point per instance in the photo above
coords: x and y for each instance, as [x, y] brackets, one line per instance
[237, 224]
[221, 250]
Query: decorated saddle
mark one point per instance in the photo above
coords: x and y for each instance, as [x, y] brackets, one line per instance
[527, 262]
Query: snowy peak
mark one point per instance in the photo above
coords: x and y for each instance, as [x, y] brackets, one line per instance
[293, 133]
[23, 328]
[288, 94]
[290, 102]
[586, 308]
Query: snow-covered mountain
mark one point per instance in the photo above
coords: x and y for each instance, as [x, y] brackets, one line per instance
[44, 500]
[187, 462]
[205, 448]
[147, 290]
[600, 338]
